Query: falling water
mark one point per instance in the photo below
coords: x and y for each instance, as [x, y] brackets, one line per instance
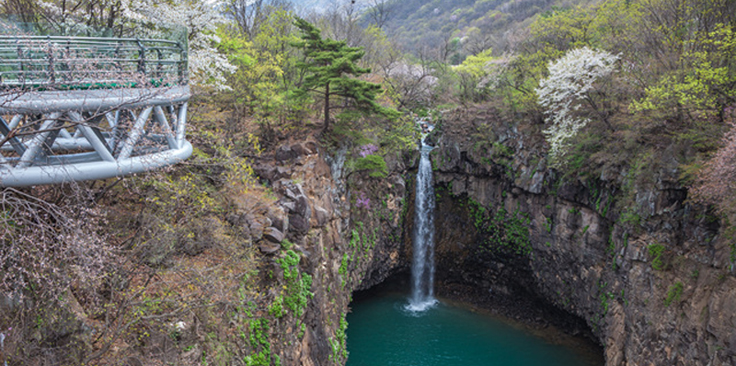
[422, 271]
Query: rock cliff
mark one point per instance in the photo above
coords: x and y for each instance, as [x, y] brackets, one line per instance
[651, 278]
[345, 228]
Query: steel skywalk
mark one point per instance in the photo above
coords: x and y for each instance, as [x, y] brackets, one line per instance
[81, 108]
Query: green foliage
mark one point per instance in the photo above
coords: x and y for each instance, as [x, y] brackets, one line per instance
[499, 151]
[354, 239]
[477, 213]
[502, 231]
[476, 75]
[671, 90]
[398, 135]
[258, 339]
[611, 249]
[338, 344]
[605, 298]
[286, 244]
[373, 163]
[276, 308]
[695, 274]
[343, 270]
[704, 80]
[331, 70]
[631, 216]
[297, 287]
[266, 71]
[656, 252]
[548, 225]
[674, 293]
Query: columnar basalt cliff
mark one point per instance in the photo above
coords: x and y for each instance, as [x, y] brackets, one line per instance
[346, 234]
[652, 280]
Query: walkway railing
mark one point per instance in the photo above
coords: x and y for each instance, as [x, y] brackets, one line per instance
[86, 62]
[79, 108]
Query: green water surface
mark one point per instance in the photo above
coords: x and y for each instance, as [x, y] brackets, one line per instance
[382, 332]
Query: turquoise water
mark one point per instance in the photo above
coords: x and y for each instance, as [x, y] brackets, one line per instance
[381, 332]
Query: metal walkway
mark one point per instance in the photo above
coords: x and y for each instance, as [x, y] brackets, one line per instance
[76, 108]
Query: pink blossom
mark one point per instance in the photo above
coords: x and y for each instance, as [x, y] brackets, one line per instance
[366, 150]
[363, 201]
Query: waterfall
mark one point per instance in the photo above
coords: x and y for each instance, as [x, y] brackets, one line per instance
[422, 270]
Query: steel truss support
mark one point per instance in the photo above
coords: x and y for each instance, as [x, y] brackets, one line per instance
[62, 136]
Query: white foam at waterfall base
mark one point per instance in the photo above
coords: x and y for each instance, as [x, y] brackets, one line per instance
[417, 308]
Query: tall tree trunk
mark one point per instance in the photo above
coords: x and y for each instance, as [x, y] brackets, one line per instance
[327, 107]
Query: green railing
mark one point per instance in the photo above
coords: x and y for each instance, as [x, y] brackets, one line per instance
[64, 62]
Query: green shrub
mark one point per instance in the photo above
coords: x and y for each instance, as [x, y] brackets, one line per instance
[673, 294]
[375, 164]
[655, 251]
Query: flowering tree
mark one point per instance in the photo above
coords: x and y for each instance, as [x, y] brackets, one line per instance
[207, 66]
[567, 88]
[716, 182]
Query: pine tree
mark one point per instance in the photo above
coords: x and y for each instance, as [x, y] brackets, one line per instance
[331, 71]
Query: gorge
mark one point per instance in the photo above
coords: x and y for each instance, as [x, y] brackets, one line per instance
[579, 168]
[511, 240]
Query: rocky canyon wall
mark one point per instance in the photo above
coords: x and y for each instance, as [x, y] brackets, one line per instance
[652, 280]
[345, 229]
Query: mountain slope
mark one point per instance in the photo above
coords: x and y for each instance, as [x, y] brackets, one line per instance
[463, 27]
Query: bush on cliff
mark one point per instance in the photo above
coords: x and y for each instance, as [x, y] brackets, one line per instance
[375, 164]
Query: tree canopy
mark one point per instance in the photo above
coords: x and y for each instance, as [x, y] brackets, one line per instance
[331, 71]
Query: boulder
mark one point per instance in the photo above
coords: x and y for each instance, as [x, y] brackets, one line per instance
[302, 207]
[279, 220]
[273, 235]
[256, 229]
[284, 153]
[537, 182]
[299, 149]
[282, 172]
[299, 224]
[320, 217]
[289, 206]
[268, 247]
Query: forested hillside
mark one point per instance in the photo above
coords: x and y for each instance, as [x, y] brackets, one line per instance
[461, 28]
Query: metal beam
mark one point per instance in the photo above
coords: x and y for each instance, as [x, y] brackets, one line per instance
[66, 173]
[135, 134]
[27, 102]
[33, 148]
[93, 136]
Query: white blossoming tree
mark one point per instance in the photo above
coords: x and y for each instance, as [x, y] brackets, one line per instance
[207, 66]
[568, 88]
